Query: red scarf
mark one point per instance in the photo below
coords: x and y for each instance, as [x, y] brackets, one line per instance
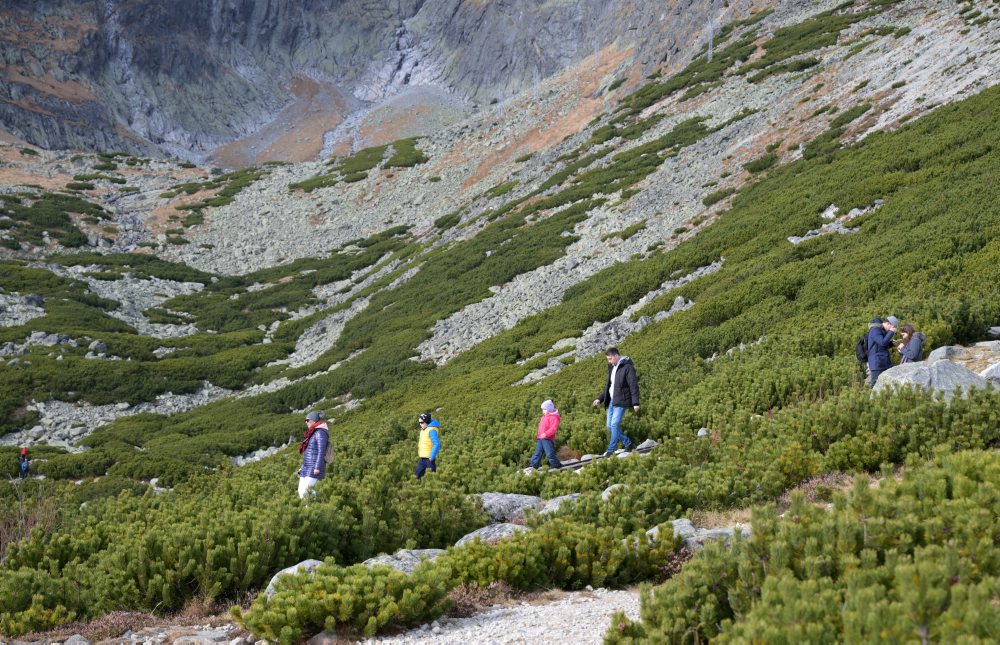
[310, 430]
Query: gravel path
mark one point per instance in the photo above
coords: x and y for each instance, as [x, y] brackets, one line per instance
[579, 617]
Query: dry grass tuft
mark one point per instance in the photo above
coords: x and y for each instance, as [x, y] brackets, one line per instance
[108, 626]
[820, 489]
[470, 599]
[566, 453]
[673, 565]
[200, 608]
[720, 519]
[25, 514]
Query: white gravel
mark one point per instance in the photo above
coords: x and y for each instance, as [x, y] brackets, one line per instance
[579, 617]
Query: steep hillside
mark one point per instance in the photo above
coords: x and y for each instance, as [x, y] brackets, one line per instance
[732, 221]
[244, 82]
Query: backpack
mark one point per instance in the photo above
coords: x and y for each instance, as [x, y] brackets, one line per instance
[861, 349]
[328, 457]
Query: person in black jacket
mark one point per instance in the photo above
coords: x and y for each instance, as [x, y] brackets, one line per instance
[621, 391]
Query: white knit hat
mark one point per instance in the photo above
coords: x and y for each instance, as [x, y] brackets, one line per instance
[548, 405]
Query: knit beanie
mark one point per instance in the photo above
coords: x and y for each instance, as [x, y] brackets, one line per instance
[549, 406]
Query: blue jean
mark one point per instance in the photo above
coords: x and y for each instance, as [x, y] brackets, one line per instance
[423, 463]
[548, 447]
[615, 415]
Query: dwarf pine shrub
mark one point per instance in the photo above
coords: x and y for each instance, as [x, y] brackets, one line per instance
[905, 561]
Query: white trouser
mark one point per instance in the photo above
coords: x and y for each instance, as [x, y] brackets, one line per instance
[305, 483]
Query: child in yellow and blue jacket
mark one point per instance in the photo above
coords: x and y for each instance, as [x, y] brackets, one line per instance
[428, 445]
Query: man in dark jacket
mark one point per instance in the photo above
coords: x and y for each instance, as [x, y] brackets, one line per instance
[880, 337]
[621, 391]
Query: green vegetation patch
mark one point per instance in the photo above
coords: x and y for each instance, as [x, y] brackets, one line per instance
[448, 221]
[627, 232]
[815, 33]
[355, 167]
[906, 559]
[717, 196]
[829, 141]
[405, 154]
[797, 65]
[761, 163]
[30, 215]
[229, 185]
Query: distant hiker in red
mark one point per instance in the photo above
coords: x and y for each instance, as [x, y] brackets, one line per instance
[314, 451]
[23, 462]
[545, 439]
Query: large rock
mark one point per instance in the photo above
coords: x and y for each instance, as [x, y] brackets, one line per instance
[611, 490]
[694, 538]
[76, 639]
[941, 375]
[306, 566]
[945, 353]
[504, 507]
[493, 533]
[992, 374]
[554, 504]
[404, 560]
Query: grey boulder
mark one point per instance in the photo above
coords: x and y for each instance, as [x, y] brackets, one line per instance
[76, 639]
[492, 533]
[946, 353]
[504, 507]
[554, 504]
[992, 374]
[404, 560]
[306, 566]
[694, 538]
[942, 376]
[611, 490]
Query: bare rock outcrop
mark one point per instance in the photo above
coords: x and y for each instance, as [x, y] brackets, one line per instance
[505, 507]
[939, 375]
[404, 560]
[492, 533]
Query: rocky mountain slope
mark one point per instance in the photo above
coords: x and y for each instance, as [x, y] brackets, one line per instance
[894, 63]
[190, 78]
[732, 216]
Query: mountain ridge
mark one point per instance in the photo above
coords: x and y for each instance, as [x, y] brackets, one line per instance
[184, 78]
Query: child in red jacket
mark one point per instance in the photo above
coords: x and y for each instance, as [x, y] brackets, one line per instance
[546, 436]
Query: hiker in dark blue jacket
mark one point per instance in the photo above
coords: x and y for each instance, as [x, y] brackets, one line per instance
[313, 448]
[879, 341]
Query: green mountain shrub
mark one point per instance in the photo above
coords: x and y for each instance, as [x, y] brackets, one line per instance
[559, 553]
[905, 561]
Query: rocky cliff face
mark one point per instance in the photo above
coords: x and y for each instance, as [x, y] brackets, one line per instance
[188, 76]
